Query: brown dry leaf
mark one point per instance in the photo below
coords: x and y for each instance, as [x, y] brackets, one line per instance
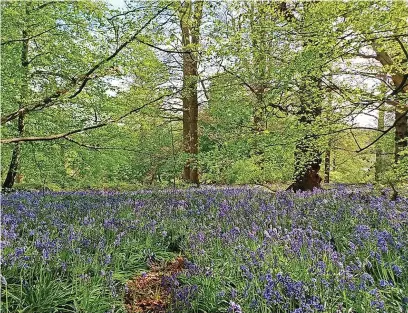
[145, 292]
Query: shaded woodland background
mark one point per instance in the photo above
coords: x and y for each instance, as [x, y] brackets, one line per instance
[164, 93]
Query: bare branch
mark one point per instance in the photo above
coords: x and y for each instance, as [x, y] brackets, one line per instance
[99, 148]
[162, 49]
[402, 46]
[401, 86]
[384, 132]
[49, 73]
[43, 5]
[365, 56]
[355, 139]
[126, 12]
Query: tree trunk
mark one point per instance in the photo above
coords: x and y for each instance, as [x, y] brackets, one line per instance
[401, 132]
[194, 139]
[327, 166]
[307, 156]
[190, 21]
[16, 154]
[307, 167]
[261, 53]
[378, 148]
[15, 157]
[185, 35]
[400, 83]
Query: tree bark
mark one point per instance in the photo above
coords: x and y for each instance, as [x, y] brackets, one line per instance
[378, 149]
[307, 167]
[401, 84]
[190, 21]
[401, 132]
[261, 55]
[14, 165]
[307, 156]
[327, 166]
[194, 140]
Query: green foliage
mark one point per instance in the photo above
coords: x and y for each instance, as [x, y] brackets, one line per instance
[274, 77]
[75, 251]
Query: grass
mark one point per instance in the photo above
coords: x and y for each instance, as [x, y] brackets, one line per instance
[247, 249]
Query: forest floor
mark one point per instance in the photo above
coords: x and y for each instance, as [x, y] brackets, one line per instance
[208, 249]
[148, 292]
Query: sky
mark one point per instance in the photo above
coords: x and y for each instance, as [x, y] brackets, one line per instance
[117, 3]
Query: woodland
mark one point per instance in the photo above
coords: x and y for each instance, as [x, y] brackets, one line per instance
[204, 156]
[185, 93]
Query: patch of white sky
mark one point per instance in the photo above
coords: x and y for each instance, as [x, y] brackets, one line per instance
[117, 3]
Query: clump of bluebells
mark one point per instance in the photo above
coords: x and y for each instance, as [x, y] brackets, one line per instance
[248, 250]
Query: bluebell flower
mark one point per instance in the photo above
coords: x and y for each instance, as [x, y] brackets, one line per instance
[378, 304]
[221, 294]
[107, 260]
[234, 307]
[367, 278]
[396, 269]
[19, 251]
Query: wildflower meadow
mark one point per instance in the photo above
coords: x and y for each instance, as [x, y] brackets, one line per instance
[245, 250]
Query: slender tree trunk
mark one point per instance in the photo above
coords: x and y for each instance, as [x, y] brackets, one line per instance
[186, 135]
[327, 166]
[260, 127]
[14, 166]
[194, 139]
[190, 21]
[378, 148]
[401, 132]
[261, 53]
[185, 35]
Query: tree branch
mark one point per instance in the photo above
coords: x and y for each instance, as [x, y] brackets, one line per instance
[120, 48]
[401, 86]
[402, 46]
[33, 36]
[48, 101]
[52, 137]
[80, 130]
[383, 133]
[162, 49]
[43, 5]
[98, 148]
